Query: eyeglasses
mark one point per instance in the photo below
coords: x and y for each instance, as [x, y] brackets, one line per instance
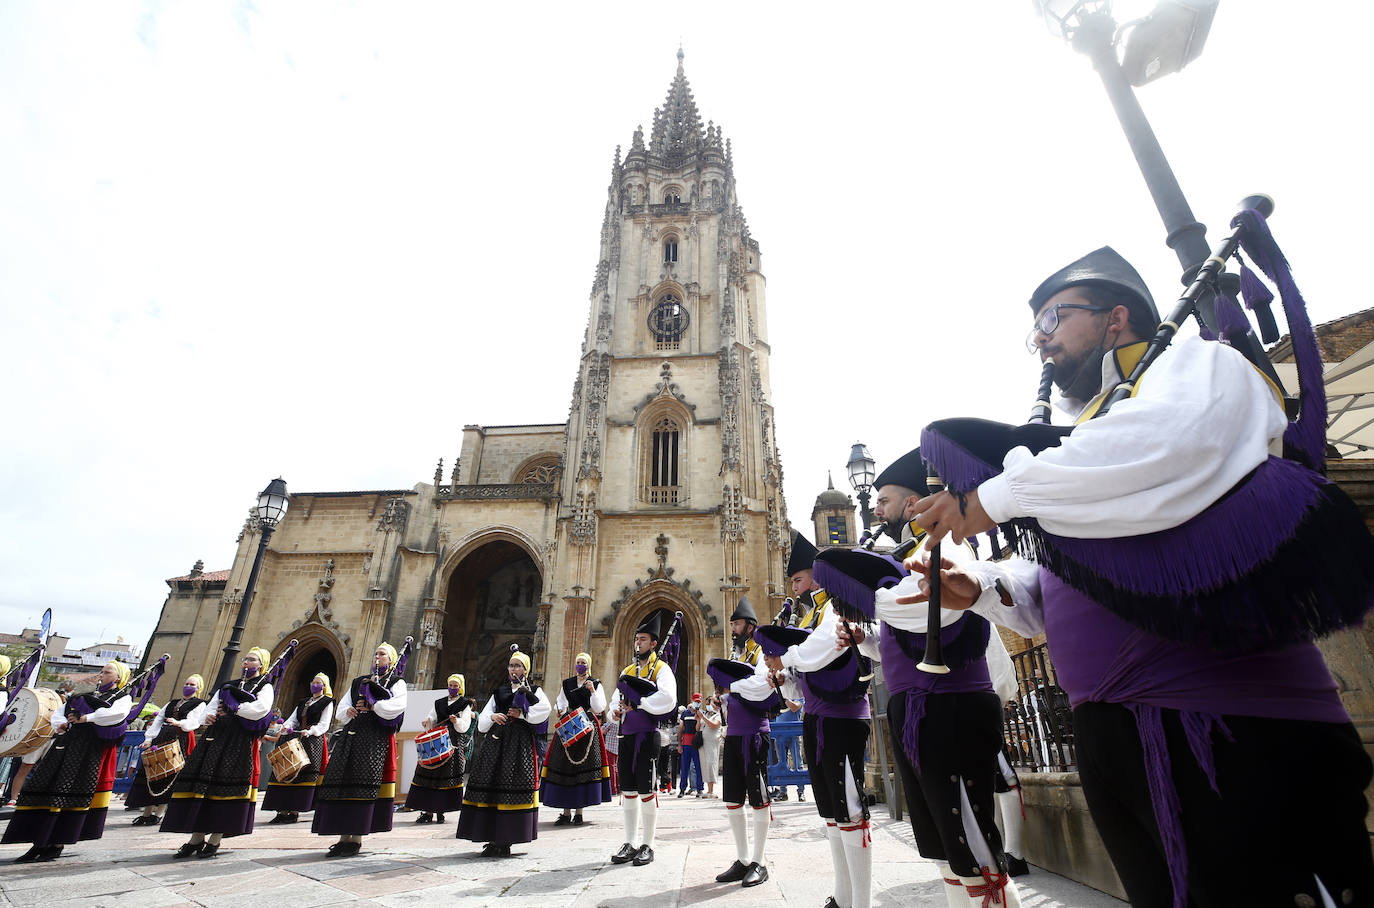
[1048, 322]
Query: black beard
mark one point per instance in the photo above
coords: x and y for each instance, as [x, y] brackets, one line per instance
[640, 657]
[1083, 383]
[741, 640]
[893, 528]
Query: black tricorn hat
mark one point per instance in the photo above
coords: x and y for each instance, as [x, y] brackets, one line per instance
[853, 577]
[725, 672]
[1104, 268]
[908, 471]
[803, 553]
[968, 451]
[776, 640]
[744, 610]
[652, 625]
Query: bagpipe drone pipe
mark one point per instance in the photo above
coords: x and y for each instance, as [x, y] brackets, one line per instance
[1282, 557]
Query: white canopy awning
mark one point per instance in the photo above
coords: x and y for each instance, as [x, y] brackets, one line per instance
[1349, 401]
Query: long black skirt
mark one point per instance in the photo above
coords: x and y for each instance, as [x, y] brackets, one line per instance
[67, 794]
[298, 795]
[501, 803]
[358, 791]
[217, 790]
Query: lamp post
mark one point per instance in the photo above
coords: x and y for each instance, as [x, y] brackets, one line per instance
[1163, 42]
[270, 510]
[862, 470]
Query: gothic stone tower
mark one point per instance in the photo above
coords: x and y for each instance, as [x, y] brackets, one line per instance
[672, 487]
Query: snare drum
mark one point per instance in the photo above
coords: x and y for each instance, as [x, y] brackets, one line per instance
[163, 761]
[434, 747]
[288, 760]
[33, 709]
[574, 726]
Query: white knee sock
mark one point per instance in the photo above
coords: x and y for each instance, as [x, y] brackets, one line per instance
[858, 854]
[761, 820]
[739, 829]
[1009, 803]
[844, 893]
[630, 804]
[648, 807]
[955, 895]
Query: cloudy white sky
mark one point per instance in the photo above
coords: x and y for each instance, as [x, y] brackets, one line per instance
[315, 239]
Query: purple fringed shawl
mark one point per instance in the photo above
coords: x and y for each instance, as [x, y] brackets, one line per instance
[964, 644]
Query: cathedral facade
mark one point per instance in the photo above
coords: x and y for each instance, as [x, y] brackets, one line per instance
[663, 489]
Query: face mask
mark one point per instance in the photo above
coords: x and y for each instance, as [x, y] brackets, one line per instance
[581, 669]
[188, 690]
[454, 692]
[250, 671]
[317, 687]
[105, 685]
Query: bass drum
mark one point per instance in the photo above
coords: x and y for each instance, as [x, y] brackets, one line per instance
[33, 709]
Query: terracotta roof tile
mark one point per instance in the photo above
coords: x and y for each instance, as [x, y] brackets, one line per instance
[207, 576]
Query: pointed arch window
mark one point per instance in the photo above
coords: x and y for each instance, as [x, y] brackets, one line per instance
[670, 249]
[668, 322]
[665, 449]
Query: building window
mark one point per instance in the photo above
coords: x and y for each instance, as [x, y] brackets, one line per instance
[668, 323]
[540, 472]
[663, 465]
[670, 249]
[836, 531]
[671, 198]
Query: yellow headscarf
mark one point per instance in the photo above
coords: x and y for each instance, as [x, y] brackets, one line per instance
[121, 672]
[264, 659]
[586, 656]
[328, 689]
[520, 657]
[391, 653]
[4, 665]
[198, 681]
[462, 685]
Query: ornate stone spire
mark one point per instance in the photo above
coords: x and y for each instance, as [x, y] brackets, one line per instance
[677, 125]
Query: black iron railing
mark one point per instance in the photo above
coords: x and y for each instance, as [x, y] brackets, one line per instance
[1038, 724]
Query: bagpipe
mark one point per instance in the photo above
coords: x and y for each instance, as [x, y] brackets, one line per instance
[846, 678]
[1282, 557]
[378, 687]
[634, 688]
[234, 694]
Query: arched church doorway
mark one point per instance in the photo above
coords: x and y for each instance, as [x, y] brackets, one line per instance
[690, 669]
[315, 653]
[492, 601]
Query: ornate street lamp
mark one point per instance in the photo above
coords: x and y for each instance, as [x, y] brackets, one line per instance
[862, 471]
[270, 510]
[1163, 42]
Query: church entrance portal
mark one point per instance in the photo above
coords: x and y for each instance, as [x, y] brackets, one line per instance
[492, 601]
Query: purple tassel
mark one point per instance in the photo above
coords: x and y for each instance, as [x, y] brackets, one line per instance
[1149, 723]
[960, 470]
[1231, 320]
[1306, 436]
[1257, 299]
[1198, 728]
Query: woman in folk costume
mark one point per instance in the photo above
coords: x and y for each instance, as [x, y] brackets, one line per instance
[575, 775]
[174, 722]
[439, 790]
[67, 795]
[358, 791]
[309, 722]
[501, 803]
[216, 794]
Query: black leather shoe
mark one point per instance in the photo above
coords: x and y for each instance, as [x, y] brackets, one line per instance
[563, 820]
[734, 874]
[756, 875]
[189, 849]
[503, 851]
[645, 855]
[626, 854]
[208, 851]
[439, 818]
[293, 817]
[491, 850]
[1016, 866]
[425, 817]
[577, 820]
[146, 819]
[29, 856]
[345, 849]
[279, 818]
[50, 853]
[831, 903]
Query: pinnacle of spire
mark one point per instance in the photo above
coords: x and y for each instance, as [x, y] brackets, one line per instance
[677, 124]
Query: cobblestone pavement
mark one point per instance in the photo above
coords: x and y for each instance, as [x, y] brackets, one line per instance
[285, 866]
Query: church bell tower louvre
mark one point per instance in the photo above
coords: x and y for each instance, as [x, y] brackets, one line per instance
[663, 490]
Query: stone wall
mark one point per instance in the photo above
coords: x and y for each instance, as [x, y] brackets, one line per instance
[1058, 834]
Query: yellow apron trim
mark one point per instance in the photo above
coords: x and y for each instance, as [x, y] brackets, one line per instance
[533, 805]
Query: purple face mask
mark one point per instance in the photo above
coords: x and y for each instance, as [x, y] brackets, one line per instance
[317, 687]
[250, 671]
[188, 690]
[453, 690]
[581, 669]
